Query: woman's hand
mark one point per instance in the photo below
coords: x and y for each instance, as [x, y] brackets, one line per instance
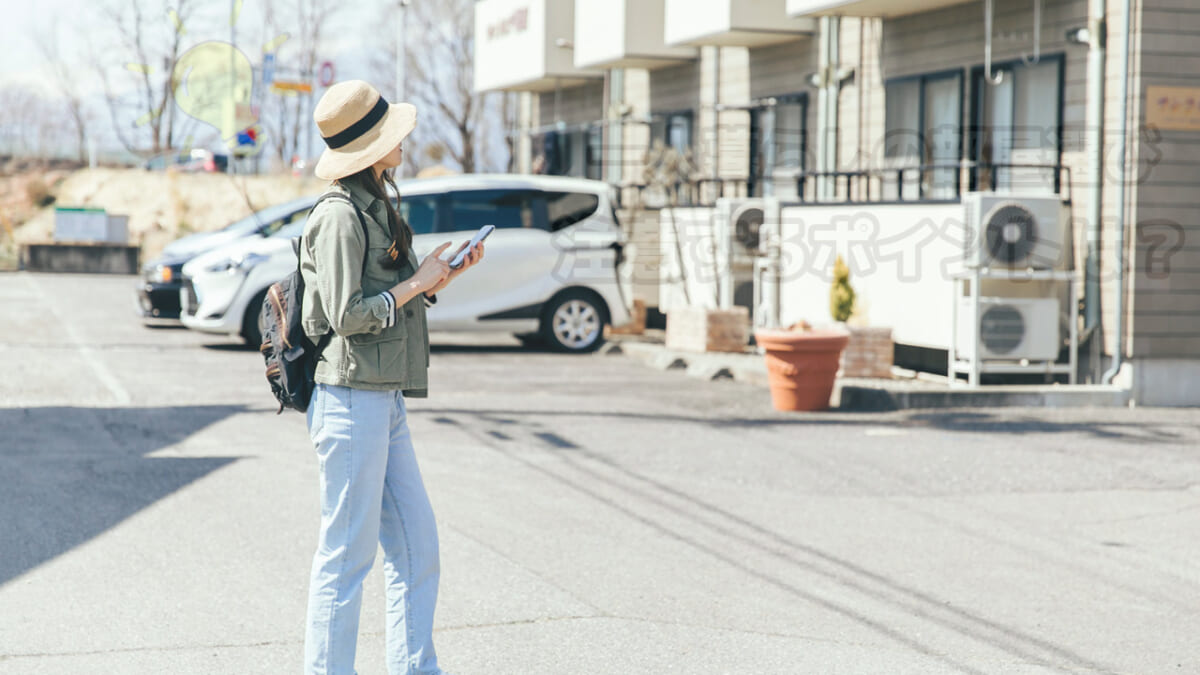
[471, 259]
[433, 271]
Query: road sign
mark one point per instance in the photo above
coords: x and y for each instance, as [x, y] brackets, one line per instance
[326, 74]
[268, 68]
[291, 85]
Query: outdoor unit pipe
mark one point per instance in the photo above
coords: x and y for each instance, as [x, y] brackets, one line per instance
[1095, 167]
[1122, 187]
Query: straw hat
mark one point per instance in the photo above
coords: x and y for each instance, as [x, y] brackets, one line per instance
[359, 127]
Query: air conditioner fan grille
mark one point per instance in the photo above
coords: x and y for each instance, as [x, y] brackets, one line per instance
[1001, 328]
[1011, 233]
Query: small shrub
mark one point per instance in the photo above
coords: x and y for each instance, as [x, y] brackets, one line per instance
[37, 191]
[841, 296]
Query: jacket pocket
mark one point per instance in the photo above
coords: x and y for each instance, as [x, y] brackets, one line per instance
[378, 359]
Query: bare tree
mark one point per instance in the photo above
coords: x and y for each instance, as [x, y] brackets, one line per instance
[67, 87]
[289, 117]
[147, 46]
[439, 47]
[30, 124]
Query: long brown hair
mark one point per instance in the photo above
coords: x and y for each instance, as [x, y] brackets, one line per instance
[402, 235]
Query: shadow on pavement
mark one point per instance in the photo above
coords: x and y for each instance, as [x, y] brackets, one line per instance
[492, 349]
[70, 474]
[1016, 423]
[231, 347]
[951, 421]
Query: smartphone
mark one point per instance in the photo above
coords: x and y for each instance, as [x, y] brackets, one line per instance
[479, 236]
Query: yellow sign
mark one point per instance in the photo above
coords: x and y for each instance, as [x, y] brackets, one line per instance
[1173, 108]
[286, 85]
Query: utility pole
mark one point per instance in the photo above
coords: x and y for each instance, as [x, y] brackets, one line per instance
[400, 46]
[401, 43]
[232, 165]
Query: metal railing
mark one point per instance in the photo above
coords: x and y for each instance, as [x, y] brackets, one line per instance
[699, 192]
[924, 182]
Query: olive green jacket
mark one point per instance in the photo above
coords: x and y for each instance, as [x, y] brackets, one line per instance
[374, 346]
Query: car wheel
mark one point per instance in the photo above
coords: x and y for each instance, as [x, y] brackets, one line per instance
[250, 332]
[574, 322]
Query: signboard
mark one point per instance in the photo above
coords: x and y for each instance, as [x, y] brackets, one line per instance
[1173, 108]
[82, 224]
[326, 74]
[290, 85]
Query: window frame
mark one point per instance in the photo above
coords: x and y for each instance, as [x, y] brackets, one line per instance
[801, 97]
[666, 116]
[975, 132]
[922, 79]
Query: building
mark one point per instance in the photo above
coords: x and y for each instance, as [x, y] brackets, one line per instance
[870, 120]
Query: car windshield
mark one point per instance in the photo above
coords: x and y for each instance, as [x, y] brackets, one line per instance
[272, 217]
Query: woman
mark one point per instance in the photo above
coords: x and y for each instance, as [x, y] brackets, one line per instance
[371, 488]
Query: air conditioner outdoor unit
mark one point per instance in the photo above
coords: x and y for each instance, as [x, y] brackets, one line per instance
[1016, 231]
[1010, 329]
[740, 227]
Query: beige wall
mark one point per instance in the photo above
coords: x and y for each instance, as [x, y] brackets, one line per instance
[952, 39]
[575, 105]
[1166, 305]
[674, 88]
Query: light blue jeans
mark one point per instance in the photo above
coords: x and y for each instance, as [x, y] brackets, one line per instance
[371, 491]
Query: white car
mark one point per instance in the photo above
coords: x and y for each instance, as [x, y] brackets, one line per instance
[551, 268]
[222, 290]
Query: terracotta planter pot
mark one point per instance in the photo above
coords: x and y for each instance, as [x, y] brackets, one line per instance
[802, 366]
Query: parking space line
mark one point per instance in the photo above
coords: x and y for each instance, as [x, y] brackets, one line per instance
[103, 374]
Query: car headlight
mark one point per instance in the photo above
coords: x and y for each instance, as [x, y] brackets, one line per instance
[243, 262]
[162, 274]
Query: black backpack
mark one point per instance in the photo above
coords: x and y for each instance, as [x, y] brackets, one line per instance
[291, 357]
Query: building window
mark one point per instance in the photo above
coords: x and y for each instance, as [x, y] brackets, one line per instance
[674, 129]
[923, 120]
[778, 142]
[574, 152]
[1018, 122]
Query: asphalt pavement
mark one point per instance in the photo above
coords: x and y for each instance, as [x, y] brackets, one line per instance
[597, 516]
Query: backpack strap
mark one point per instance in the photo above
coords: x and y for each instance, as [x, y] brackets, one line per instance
[362, 221]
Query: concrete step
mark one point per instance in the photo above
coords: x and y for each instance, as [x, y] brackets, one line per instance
[869, 395]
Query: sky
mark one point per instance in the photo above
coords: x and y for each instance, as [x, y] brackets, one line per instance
[25, 22]
[22, 60]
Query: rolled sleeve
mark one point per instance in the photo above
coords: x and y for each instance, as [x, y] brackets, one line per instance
[336, 245]
[430, 300]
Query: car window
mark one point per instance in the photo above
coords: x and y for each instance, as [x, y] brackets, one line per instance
[568, 208]
[472, 209]
[273, 227]
[292, 229]
[273, 217]
[420, 212]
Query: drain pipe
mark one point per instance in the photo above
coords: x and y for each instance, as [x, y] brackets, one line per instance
[827, 105]
[1119, 247]
[716, 124]
[1096, 30]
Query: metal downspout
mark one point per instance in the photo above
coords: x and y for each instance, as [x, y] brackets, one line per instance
[1095, 172]
[827, 108]
[716, 130]
[1122, 188]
